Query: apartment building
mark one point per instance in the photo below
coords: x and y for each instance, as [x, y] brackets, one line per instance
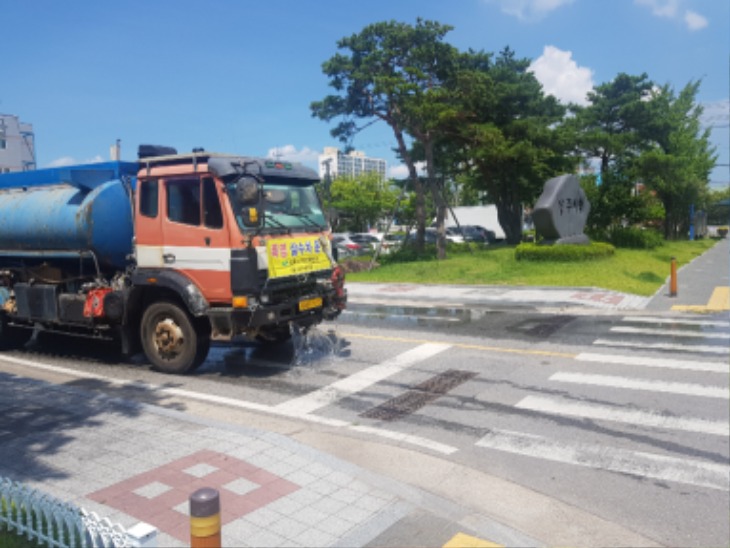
[17, 145]
[352, 164]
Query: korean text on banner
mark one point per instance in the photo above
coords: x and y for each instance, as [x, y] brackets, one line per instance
[296, 256]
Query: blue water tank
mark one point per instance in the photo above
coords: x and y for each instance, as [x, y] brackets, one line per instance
[67, 212]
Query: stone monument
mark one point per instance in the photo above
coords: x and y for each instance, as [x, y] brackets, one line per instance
[561, 213]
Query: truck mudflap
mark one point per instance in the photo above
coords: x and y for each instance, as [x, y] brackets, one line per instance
[338, 296]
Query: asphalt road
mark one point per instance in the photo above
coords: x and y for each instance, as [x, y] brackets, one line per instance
[622, 415]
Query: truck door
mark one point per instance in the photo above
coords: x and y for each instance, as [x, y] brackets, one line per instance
[195, 241]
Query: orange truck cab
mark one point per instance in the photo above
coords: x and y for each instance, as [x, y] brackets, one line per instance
[211, 247]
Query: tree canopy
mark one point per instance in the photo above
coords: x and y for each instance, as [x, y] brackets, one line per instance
[485, 120]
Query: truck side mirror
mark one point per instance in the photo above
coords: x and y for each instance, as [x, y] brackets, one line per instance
[248, 195]
[247, 191]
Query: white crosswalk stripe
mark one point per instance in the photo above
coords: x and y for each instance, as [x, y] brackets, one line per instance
[707, 349]
[641, 384]
[365, 378]
[656, 320]
[644, 361]
[673, 333]
[649, 335]
[642, 464]
[634, 417]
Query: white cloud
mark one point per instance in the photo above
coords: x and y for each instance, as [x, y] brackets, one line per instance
[694, 20]
[561, 76]
[71, 161]
[529, 10]
[63, 161]
[716, 114]
[401, 171]
[290, 153]
[661, 8]
[672, 9]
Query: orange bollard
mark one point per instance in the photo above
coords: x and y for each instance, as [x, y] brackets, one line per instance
[205, 519]
[673, 279]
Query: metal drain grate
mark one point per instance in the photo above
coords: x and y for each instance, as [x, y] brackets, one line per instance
[422, 394]
[545, 327]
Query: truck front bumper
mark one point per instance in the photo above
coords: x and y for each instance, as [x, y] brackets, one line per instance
[227, 322]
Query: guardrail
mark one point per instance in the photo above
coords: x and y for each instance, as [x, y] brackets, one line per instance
[50, 521]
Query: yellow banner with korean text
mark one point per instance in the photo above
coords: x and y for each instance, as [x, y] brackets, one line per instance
[292, 256]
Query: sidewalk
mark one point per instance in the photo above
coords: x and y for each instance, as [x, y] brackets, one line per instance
[696, 282]
[133, 462]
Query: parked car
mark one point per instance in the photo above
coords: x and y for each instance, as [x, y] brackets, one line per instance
[345, 247]
[387, 242]
[473, 233]
[393, 241]
[368, 240]
[432, 235]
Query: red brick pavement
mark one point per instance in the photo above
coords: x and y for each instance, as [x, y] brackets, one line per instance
[160, 496]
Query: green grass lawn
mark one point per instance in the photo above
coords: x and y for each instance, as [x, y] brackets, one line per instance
[640, 272]
[10, 539]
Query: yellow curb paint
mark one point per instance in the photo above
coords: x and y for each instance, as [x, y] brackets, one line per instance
[460, 540]
[465, 346]
[720, 299]
[719, 302]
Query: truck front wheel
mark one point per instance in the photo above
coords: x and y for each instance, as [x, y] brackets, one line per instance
[170, 339]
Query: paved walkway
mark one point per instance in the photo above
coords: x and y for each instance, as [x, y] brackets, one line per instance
[135, 462]
[703, 285]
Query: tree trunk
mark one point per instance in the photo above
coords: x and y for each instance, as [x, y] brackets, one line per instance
[417, 186]
[437, 200]
[510, 219]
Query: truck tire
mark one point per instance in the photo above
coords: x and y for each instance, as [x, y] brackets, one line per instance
[170, 339]
[12, 337]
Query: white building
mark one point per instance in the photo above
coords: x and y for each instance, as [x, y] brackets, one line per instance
[352, 164]
[17, 145]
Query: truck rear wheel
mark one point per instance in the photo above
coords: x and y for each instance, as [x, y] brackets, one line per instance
[170, 339]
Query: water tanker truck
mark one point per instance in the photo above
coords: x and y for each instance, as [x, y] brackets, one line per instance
[166, 253]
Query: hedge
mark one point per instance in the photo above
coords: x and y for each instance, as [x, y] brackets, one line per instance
[564, 252]
[635, 238]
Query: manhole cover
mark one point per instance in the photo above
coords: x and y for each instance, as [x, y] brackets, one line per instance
[420, 396]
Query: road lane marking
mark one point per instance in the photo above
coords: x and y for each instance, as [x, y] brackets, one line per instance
[667, 363]
[406, 438]
[675, 321]
[633, 417]
[357, 382]
[463, 346]
[668, 333]
[700, 349]
[636, 463]
[418, 441]
[410, 317]
[642, 384]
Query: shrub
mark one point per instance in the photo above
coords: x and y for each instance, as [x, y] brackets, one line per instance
[563, 253]
[722, 231]
[635, 238]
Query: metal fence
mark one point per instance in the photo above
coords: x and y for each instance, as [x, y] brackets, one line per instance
[49, 521]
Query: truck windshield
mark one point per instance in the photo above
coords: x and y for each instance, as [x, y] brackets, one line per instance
[291, 207]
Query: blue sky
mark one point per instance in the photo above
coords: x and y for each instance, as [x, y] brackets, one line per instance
[239, 75]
